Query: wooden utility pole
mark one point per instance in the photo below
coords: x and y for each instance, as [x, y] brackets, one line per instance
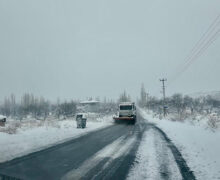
[164, 96]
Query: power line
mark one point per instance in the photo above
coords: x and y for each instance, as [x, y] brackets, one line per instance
[197, 55]
[204, 42]
[206, 45]
[210, 29]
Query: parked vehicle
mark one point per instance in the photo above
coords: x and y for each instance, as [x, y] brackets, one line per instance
[2, 118]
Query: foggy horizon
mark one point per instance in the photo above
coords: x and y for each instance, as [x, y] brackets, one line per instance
[79, 49]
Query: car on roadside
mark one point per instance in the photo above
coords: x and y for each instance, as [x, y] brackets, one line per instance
[3, 118]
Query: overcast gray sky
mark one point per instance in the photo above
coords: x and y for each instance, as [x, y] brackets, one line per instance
[80, 48]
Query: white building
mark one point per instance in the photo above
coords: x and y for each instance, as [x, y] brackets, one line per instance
[89, 106]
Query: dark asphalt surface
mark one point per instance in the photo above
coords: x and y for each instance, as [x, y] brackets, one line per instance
[55, 162]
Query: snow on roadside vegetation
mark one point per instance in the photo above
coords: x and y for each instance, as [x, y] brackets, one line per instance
[21, 138]
[199, 145]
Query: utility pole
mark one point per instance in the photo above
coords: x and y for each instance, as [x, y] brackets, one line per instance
[164, 96]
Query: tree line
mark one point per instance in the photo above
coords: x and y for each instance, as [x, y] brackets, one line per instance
[180, 104]
[37, 107]
[40, 108]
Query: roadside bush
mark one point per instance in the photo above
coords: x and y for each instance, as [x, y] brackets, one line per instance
[11, 129]
[213, 121]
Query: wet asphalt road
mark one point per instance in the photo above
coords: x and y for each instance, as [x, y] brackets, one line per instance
[83, 156]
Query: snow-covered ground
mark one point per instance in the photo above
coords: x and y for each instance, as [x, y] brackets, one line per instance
[154, 159]
[199, 146]
[21, 138]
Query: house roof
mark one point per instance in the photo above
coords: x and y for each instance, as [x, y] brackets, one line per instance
[90, 102]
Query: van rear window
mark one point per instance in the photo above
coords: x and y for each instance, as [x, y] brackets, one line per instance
[125, 107]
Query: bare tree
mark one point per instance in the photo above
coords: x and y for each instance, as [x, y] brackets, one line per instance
[124, 97]
[143, 97]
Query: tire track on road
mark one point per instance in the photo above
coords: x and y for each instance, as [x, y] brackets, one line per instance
[185, 171]
[54, 162]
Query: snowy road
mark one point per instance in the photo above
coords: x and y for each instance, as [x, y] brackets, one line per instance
[120, 151]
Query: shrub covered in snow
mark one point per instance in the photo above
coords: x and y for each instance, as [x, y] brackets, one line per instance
[181, 108]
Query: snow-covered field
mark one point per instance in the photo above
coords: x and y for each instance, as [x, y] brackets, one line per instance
[199, 145]
[21, 138]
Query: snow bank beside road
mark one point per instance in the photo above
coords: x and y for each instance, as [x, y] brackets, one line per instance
[31, 137]
[200, 147]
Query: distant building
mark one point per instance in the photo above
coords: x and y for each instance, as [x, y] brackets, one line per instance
[89, 106]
